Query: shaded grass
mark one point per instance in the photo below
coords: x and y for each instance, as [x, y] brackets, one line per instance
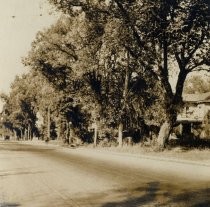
[178, 152]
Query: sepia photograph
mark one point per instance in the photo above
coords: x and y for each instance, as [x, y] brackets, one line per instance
[104, 103]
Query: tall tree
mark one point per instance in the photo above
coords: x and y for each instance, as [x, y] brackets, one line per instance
[104, 76]
[161, 30]
[19, 109]
[54, 54]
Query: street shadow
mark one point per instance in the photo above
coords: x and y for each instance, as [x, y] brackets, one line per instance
[9, 204]
[18, 147]
[133, 201]
[151, 194]
[197, 198]
[29, 149]
[123, 197]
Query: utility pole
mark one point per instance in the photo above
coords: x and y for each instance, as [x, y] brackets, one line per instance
[48, 123]
[124, 103]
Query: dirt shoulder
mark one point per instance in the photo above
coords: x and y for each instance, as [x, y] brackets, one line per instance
[170, 164]
[177, 154]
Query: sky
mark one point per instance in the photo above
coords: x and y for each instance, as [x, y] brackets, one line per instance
[20, 20]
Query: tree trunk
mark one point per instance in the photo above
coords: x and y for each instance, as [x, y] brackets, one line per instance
[62, 128]
[31, 135]
[164, 133]
[48, 124]
[173, 101]
[21, 134]
[15, 134]
[120, 135]
[67, 132]
[58, 126]
[71, 133]
[173, 106]
[28, 132]
[126, 83]
[24, 134]
[95, 134]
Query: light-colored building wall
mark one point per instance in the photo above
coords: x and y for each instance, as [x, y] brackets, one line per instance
[194, 112]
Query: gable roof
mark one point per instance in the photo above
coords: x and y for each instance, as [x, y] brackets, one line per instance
[197, 98]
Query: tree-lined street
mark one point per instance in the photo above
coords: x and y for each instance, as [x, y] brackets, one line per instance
[108, 75]
[42, 175]
[120, 66]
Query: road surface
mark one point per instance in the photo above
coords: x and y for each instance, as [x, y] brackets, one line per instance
[51, 176]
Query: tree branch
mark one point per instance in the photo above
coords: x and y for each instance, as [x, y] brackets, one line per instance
[195, 48]
[129, 22]
[59, 47]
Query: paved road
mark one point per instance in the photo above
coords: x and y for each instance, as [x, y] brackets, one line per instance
[51, 176]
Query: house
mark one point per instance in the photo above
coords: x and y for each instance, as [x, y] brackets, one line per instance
[195, 113]
[196, 106]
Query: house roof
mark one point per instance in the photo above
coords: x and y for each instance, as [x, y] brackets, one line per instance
[197, 98]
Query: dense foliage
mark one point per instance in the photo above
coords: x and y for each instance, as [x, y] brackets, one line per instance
[108, 64]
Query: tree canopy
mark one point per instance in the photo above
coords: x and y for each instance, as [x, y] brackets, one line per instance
[109, 61]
